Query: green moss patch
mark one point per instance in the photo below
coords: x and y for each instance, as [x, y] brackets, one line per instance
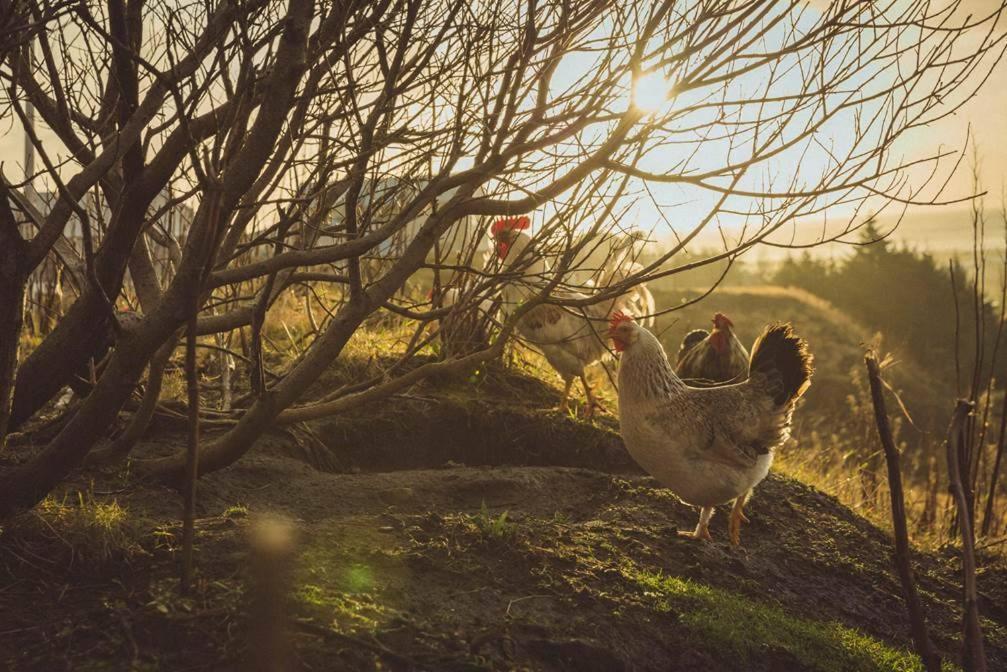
[741, 629]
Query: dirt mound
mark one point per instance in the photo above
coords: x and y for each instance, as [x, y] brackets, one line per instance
[417, 562]
[421, 433]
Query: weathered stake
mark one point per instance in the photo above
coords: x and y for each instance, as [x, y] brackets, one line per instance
[975, 654]
[921, 638]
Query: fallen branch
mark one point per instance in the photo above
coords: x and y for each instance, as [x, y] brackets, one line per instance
[449, 367]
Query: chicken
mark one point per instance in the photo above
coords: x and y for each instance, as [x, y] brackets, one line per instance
[639, 297]
[570, 338]
[713, 357]
[621, 265]
[708, 445]
[613, 259]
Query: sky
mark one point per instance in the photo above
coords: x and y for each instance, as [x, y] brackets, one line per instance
[983, 119]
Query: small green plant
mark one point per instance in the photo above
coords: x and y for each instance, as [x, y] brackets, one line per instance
[236, 511]
[496, 527]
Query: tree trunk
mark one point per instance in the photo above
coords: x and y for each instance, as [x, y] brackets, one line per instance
[13, 278]
[123, 445]
[12, 287]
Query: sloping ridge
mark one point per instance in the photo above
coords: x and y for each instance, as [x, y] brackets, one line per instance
[490, 562]
[442, 559]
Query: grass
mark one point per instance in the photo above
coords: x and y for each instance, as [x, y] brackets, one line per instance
[339, 580]
[347, 609]
[741, 629]
[235, 511]
[89, 530]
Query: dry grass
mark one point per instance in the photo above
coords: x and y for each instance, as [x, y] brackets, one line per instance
[77, 529]
[838, 455]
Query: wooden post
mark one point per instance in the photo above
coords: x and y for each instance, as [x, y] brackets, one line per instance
[917, 620]
[975, 654]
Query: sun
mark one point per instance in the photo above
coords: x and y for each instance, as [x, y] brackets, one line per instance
[651, 91]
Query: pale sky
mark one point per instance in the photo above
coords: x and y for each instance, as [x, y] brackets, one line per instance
[982, 120]
[986, 115]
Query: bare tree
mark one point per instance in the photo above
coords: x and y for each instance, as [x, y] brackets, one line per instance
[348, 147]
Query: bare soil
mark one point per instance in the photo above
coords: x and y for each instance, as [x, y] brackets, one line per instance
[443, 533]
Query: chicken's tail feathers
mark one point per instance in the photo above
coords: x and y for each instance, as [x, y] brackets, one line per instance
[783, 358]
[649, 307]
[692, 338]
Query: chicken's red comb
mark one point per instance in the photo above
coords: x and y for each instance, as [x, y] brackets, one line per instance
[720, 321]
[510, 223]
[618, 317]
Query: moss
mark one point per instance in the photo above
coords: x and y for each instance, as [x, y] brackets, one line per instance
[741, 629]
[345, 609]
[236, 511]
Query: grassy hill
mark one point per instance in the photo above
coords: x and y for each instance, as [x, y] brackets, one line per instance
[428, 542]
[836, 340]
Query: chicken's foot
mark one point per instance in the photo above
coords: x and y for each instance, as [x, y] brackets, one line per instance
[702, 530]
[592, 401]
[564, 403]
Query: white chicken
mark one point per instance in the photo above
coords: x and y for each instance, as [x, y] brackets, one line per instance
[610, 260]
[708, 445]
[570, 339]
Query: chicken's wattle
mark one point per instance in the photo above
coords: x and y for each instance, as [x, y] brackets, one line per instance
[719, 341]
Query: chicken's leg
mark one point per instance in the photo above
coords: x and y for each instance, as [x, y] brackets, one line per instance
[702, 530]
[566, 395]
[592, 401]
[737, 518]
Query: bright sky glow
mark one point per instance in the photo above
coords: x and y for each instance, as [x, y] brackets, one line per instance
[651, 92]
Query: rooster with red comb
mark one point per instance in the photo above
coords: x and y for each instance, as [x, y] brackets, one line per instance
[709, 357]
[570, 338]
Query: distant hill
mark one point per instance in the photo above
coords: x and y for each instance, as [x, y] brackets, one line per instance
[941, 231]
[836, 340]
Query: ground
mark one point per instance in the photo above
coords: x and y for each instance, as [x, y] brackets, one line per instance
[462, 532]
